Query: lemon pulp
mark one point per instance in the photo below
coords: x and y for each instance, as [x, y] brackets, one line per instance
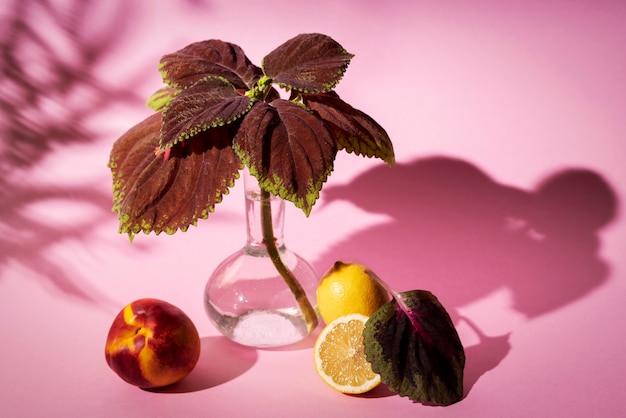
[339, 356]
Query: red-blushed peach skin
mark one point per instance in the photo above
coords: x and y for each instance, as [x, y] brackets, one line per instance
[152, 343]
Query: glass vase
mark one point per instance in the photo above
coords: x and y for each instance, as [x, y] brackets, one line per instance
[246, 298]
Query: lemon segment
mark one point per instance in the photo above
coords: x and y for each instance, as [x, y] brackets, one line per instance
[339, 356]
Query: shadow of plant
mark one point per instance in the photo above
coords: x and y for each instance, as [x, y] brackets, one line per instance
[456, 232]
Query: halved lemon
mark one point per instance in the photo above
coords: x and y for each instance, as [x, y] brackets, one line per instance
[340, 358]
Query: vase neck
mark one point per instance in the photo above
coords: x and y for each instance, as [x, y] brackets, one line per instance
[254, 240]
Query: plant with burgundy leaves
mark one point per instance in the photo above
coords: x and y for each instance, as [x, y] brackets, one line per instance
[217, 113]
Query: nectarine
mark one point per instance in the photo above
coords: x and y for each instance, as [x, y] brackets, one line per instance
[152, 343]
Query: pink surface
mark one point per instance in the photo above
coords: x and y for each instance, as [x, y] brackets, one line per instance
[508, 125]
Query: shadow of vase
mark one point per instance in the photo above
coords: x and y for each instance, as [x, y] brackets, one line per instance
[459, 234]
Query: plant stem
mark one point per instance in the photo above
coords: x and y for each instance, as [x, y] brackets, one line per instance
[292, 282]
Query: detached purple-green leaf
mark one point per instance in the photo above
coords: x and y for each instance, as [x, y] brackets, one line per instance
[413, 345]
[309, 62]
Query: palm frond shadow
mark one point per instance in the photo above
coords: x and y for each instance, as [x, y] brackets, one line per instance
[50, 53]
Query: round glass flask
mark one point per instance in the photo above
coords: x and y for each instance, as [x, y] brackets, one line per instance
[246, 298]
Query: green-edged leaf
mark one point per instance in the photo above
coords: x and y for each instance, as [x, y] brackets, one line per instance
[288, 149]
[213, 57]
[161, 97]
[355, 131]
[152, 193]
[413, 345]
[309, 62]
[209, 103]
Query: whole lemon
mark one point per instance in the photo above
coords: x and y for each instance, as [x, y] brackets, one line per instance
[347, 288]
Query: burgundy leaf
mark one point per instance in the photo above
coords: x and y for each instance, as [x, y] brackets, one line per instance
[209, 103]
[288, 149]
[152, 193]
[213, 57]
[412, 343]
[309, 62]
[355, 131]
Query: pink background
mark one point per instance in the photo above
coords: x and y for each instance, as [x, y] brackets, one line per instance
[508, 124]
